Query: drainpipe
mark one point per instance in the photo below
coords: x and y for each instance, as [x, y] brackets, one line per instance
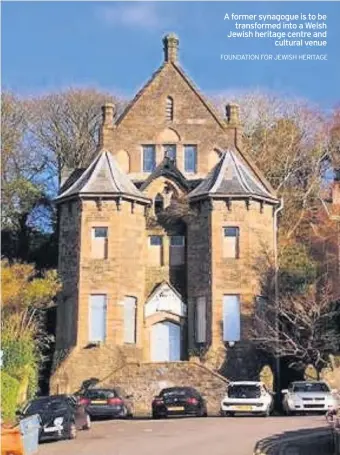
[276, 292]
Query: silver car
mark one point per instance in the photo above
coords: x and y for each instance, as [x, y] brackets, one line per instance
[308, 396]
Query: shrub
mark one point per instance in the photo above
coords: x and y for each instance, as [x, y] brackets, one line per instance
[9, 396]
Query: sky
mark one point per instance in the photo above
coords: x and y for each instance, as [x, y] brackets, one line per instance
[115, 46]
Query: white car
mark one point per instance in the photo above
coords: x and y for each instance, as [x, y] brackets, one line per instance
[308, 396]
[249, 397]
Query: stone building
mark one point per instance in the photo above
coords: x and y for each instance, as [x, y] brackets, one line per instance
[160, 235]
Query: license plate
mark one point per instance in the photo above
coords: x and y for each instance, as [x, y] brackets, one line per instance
[243, 408]
[176, 408]
[98, 402]
[51, 429]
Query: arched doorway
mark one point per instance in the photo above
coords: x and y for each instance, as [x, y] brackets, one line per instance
[165, 342]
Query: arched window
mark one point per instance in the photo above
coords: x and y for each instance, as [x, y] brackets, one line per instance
[169, 109]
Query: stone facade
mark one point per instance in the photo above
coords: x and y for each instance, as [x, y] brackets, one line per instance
[224, 191]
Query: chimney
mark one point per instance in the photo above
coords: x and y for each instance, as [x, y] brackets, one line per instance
[336, 188]
[170, 42]
[108, 112]
[232, 112]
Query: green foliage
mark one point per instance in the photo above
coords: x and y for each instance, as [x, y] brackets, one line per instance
[297, 268]
[9, 395]
[20, 360]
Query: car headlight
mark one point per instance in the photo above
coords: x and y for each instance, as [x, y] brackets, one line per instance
[58, 421]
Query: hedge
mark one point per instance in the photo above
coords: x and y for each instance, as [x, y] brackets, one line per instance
[9, 396]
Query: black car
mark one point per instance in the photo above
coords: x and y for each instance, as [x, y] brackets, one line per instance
[61, 416]
[179, 401]
[107, 403]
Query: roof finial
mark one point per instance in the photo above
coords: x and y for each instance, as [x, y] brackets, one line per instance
[171, 43]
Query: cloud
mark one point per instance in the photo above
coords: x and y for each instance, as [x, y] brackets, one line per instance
[145, 15]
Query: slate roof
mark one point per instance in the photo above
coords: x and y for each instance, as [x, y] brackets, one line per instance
[103, 177]
[167, 168]
[232, 177]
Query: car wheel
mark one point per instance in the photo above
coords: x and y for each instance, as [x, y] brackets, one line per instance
[72, 432]
[155, 416]
[87, 424]
[266, 413]
[228, 414]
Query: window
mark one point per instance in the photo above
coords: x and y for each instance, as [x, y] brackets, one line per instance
[231, 242]
[170, 152]
[169, 109]
[99, 246]
[231, 318]
[190, 158]
[201, 320]
[130, 319]
[155, 253]
[158, 204]
[177, 250]
[149, 158]
[155, 240]
[97, 318]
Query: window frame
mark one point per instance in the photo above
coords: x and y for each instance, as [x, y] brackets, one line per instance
[156, 244]
[185, 148]
[224, 326]
[90, 319]
[169, 107]
[134, 320]
[197, 341]
[105, 240]
[164, 146]
[177, 246]
[237, 240]
[153, 147]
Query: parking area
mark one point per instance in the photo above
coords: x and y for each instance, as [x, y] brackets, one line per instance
[212, 435]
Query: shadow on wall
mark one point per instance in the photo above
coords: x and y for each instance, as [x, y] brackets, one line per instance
[313, 441]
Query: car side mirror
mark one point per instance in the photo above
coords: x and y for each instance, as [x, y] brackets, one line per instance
[284, 391]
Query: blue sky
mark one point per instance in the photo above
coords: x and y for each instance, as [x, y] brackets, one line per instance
[115, 46]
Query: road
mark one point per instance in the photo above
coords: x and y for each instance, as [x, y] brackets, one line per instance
[212, 435]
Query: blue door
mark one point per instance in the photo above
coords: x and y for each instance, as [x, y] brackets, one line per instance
[97, 318]
[165, 342]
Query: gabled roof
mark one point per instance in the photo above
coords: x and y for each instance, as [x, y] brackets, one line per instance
[231, 177]
[167, 168]
[189, 82]
[103, 177]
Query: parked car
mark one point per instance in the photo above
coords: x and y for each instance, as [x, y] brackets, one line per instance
[247, 397]
[107, 403]
[308, 396]
[178, 401]
[60, 416]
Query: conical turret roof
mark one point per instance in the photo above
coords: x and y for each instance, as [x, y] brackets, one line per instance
[105, 178]
[231, 177]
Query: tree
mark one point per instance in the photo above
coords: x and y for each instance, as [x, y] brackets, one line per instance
[299, 327]
[65, 126]
[25, 295]
[289, 141]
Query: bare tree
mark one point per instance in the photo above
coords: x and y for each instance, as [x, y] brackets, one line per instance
[289, 140]
[65, 126]
[301, 327]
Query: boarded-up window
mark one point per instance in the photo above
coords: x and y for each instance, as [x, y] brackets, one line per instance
[97, 317]
[231, 237]
[155, 250]
[201, 320]
[177, 250]
[130, 319]
[231, 318]
[99, 246]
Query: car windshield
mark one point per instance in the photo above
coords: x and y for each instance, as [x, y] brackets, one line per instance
[99, 394]
[177, 392]
[310, 387]
[244, 391]
[45, 404]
